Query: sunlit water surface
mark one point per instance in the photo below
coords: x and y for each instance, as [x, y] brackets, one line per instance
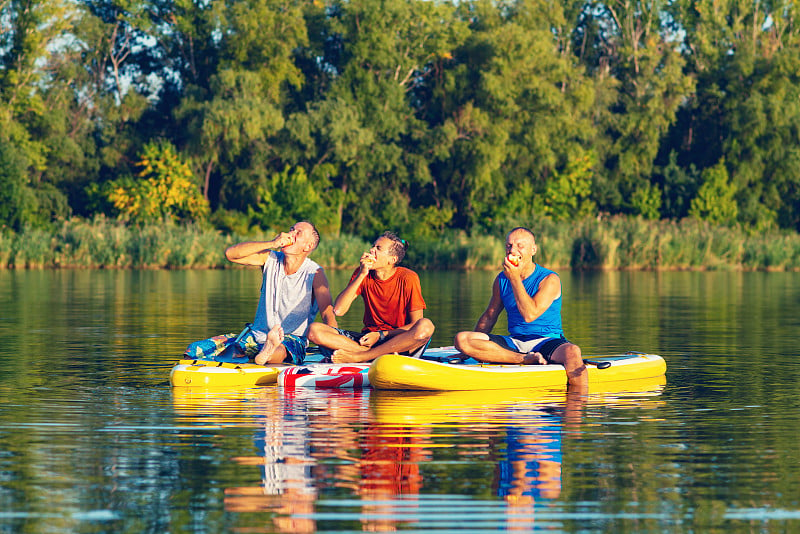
[93, 439]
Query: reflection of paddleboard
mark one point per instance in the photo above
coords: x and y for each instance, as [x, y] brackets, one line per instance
[205, 373]
[401, 372]
[499, 406]
[325, 375]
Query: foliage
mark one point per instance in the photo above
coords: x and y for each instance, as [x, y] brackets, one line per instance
[679, 187]
[619, 242]
[289, 196]
[567, 194]
[12, 185]
[646, 201]
[715, 199]
[163, 189]
[432, 118]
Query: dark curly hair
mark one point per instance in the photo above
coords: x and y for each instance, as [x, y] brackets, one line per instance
[399, 246]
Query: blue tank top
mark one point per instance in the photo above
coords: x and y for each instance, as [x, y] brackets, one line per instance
[547, 324]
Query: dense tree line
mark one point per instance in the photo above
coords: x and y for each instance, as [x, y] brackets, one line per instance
[420, 116]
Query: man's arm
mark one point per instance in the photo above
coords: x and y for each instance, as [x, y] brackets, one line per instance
[322, 295]
[489, 317]
[349, 294]
[532, 306]
[256, 252]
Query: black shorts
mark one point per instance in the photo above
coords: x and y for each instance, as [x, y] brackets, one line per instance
[355, 336]
[545, 348]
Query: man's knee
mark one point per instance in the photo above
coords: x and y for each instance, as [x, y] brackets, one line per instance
[459, 340]
[424, 329]
[572, 355]
[314, 332]
[568, 355]
[463, 340]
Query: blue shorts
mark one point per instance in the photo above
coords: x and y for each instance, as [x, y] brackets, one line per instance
[355, 336]
[295, 348]
[243, 347]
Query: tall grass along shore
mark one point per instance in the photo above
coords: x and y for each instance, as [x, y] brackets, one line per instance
[606, 243]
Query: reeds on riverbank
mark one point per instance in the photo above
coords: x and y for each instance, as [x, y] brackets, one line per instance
[607, 243]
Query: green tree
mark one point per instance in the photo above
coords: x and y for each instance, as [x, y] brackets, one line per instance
[163, 188]
[290, 196]
[364, 141]
[517, 109]
[31, 33]
[639, 70]
[746, 107]
[13, 199]
[94, 97]
[679, 187]
[715, 200]
[231, 115]
[332, 138]
[567, 195]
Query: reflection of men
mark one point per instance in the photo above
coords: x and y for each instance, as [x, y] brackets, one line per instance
[530, 470]
[287, 486]
[532, 467]
[293, 290]
[531, 296]
[389, 468]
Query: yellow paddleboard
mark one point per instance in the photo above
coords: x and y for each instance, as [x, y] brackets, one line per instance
[203, 373]
[392, 371]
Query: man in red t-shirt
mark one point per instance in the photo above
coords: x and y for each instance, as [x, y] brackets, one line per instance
[393, 309]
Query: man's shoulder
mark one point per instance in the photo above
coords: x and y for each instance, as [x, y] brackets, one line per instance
[405, 272]
[544, 270]
[273, 258]
[312, 266]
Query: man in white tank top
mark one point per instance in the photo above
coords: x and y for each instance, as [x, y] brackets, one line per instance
[293, 289]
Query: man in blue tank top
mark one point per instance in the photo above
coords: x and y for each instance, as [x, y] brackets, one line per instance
[531, 296]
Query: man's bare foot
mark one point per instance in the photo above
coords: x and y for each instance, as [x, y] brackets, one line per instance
[274, 338]
[534, 358]
[350, 356]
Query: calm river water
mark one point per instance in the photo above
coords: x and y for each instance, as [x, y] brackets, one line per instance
[93, 439]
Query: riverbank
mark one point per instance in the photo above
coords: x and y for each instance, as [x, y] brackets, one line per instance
[604, 243]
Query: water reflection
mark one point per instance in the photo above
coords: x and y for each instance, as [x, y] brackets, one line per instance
[371, 460]
[93, 439]
[287, 489]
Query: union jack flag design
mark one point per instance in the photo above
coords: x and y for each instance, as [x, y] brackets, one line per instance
[325, 376]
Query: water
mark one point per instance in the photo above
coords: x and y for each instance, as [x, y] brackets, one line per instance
[93, 439]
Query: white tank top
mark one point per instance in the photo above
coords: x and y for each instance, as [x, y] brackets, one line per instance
[286, 300]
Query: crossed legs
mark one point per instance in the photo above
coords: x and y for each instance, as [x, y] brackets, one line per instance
[478, 345]
[345, 350]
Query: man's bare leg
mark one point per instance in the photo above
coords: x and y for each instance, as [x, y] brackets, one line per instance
[271, 345]
[569, 355]
[479, 346]
[409, 340]
[328, 337]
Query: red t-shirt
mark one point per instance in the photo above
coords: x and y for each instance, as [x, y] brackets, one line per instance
[388, 303]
